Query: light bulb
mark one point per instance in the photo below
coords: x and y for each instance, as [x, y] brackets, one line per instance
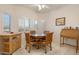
[39, 7]
[43, 6]
[35, 22]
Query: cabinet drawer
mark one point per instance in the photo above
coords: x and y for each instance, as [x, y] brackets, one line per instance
[4, 45]
[4, 39]
[4, 50]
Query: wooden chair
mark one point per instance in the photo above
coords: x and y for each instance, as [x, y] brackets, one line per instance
[28, 45]
[32, 32]
[46, 32]
[29, 42]
[48, 41]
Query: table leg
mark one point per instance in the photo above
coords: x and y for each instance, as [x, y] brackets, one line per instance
[60, 40]
[76, 45]
[63, 40]
[37, 46]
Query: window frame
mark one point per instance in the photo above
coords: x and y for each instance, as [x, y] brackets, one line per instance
[9, 21]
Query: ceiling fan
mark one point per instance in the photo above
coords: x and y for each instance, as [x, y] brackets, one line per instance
[41, 6]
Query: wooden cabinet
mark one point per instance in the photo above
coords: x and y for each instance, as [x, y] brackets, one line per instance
[10, 42]
[71, 34]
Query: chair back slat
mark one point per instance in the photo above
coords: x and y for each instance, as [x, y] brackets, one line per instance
[32, 31]
[27, 35]
[49, 37]
[46, 32]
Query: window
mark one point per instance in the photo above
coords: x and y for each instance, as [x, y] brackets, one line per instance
[32, 24]
[6, 22]
[23, 24]
[36, 24]
[26, 24]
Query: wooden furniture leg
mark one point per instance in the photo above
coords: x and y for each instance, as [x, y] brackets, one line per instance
[29, 49]
[26, 47]
[45, 49]
[51, 46]
[76, 45]
[37, 46]
[63, 41]
[60, 40]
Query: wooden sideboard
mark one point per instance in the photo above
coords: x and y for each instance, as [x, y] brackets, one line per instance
[70, 34]
[9, 42]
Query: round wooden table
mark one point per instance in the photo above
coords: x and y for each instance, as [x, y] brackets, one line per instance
[38, 38]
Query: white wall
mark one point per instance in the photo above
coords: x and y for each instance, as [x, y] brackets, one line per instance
[42, 21]
[25, 12]
[16, 12]
[71, 13]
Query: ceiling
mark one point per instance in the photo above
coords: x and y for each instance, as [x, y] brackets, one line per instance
[51, 7]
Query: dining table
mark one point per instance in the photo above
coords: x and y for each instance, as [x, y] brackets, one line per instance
[38, 38]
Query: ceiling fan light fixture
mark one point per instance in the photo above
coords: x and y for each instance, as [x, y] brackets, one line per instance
[40, 7]
[43, 6]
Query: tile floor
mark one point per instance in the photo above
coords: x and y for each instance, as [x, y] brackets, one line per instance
[56, 50]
